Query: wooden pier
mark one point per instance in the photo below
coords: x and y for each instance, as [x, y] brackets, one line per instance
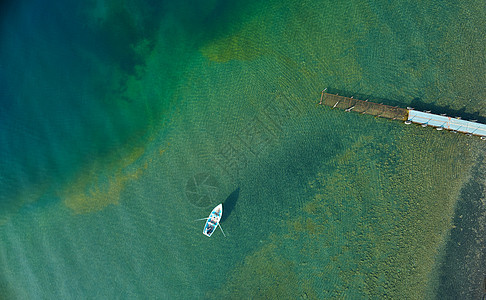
[364, 107]
[425, 119]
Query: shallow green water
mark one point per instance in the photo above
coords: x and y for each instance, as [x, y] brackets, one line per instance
[134, 119]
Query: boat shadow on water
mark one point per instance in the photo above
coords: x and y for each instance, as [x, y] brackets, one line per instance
[229, 204]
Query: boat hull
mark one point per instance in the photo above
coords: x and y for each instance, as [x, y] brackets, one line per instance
[213, 220]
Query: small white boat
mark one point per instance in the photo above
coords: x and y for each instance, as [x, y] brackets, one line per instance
[213, 221]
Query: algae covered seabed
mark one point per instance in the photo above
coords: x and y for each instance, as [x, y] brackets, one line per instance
[186, 106]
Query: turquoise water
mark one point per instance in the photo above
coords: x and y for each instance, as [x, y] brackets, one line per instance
[123, 121]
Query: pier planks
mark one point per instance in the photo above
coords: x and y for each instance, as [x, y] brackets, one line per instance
[364, 107]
